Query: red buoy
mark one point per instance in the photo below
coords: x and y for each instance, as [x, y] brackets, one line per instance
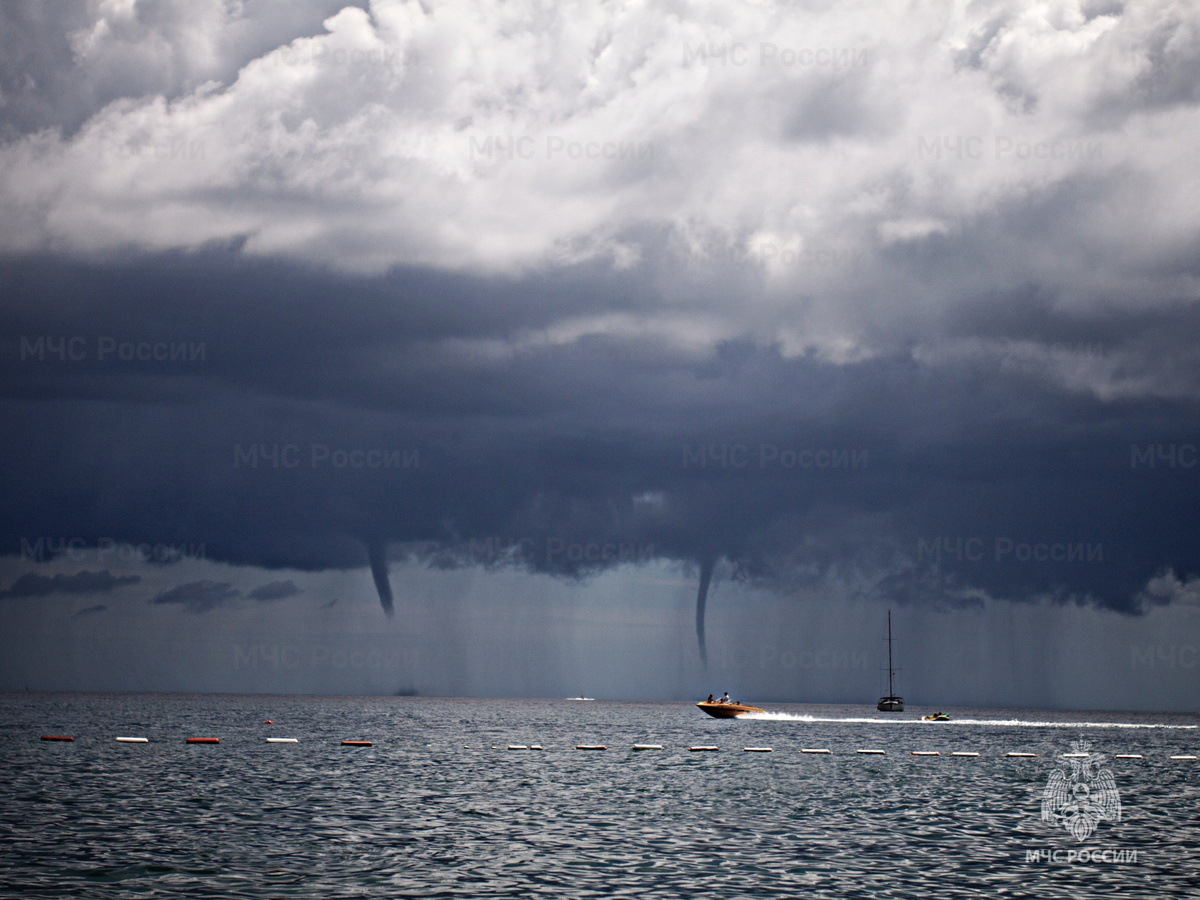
[204, 740]
[268, 722]
[356, 743]
[56, 737]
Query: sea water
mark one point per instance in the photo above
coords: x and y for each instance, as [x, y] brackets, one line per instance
[439, 806]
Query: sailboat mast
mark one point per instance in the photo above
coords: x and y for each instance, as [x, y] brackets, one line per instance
[890, 703]
[891, 693]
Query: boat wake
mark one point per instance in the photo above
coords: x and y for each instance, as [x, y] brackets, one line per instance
[1007, 723]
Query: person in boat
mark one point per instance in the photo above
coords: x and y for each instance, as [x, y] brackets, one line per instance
[710, 699]
[725, 698]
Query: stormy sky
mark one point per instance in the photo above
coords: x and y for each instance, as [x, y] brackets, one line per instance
[462, 348]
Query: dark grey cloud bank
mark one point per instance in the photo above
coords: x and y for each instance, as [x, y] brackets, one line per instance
[286, 299]
[571, 457]
[199, 596]
[32, 584]
[205, 596]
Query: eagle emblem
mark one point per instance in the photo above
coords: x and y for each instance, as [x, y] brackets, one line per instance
[1080, 798]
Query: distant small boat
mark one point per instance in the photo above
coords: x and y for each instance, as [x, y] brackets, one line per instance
[726, 710]
[890, 703]
[581, 697]
[936, 717]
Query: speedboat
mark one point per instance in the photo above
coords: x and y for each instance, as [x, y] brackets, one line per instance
[936, 717]
[726, 710]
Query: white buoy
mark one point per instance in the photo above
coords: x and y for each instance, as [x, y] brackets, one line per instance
[814, 750]
[871, 752]
[1128, 756]
[517, 747]
[647, 746]
[590, 747]
[1021, 755]
[1185, 756]
[282, 741]
[756, 749]
[964, 753]
[926, 753]
[704, 749]
[1076, 755]
[535, 746]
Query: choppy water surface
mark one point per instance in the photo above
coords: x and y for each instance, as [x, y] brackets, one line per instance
[439, 807]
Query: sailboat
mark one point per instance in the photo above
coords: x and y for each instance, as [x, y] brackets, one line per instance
[890, 703]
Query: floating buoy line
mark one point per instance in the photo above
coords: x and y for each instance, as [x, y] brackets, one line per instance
[699, 748]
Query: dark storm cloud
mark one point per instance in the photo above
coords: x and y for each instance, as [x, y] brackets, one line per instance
[570, 457]
[275, 590]
[199, 596]
[31, 584]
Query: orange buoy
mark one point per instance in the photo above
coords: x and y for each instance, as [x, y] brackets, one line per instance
[356, 743]
[268, 722]
[56, 737]
[203, 740]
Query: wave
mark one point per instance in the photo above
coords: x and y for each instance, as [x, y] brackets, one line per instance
[1007, 723]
